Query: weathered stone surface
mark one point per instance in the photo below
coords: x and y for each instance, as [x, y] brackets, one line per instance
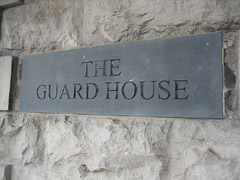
[205, 150]
[113, 21]
[231, 55]
[74, 147]
[71, 147]
[43, 25]
[46, 25]
[5, 81]
[98, 148]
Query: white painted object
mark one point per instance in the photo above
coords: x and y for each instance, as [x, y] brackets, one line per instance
[5, 81]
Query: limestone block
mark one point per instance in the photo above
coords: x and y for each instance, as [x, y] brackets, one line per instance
[105, 149]
[77, 147]
[122, 20]
[205, 150]
[5, 81]
[9, 3]
[43, 25]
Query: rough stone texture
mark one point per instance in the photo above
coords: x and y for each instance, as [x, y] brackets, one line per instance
[205, 150]
[75, 147]
[124, 20]
[70, 147]
[43, 25]
[64, 147]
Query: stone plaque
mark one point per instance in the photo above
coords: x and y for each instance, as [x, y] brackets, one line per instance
[175, 77]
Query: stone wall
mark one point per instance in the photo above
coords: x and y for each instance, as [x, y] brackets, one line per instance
[71, 147]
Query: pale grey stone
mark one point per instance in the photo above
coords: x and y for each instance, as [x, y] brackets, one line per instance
[104, 147]
[82, 147]
[43, 25]
[231, 55]
[5, 81]
[58, 147]
[203, 150]
[122, 20]
[71, 147]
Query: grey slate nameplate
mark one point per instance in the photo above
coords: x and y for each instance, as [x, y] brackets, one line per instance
[175, 77]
